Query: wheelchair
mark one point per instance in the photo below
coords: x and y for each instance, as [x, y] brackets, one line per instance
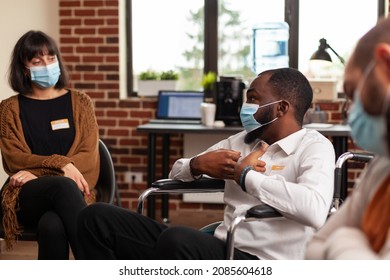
[210, 185]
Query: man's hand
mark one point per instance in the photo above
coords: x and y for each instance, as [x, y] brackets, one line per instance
[73, 173]
[251, 160]
[217, 164]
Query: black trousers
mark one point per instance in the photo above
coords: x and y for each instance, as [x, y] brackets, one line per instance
[52, 203]
[109, 232]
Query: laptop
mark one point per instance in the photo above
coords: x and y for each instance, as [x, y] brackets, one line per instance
[178, 107]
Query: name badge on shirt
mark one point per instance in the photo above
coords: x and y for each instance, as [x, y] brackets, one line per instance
[59, 124]
[277, 167]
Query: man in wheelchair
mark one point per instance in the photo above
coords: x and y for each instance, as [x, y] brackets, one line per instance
[272, 161]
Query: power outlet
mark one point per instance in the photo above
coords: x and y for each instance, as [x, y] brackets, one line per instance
[133, 177]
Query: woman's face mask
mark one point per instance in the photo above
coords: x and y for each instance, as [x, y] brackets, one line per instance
[369, 132]
[247, 115]
[45, 76]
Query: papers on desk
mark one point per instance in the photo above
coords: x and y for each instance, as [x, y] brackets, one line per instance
[318, 125]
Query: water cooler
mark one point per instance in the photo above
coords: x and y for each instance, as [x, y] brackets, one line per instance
[270, 46]
[229, 98]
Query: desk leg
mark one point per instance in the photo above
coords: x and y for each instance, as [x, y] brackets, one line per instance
[340, 144]
[151, 172]
[165, 173]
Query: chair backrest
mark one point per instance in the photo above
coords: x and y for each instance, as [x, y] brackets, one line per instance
[106, 184]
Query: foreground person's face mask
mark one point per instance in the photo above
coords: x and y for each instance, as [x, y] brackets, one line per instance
[369, 132]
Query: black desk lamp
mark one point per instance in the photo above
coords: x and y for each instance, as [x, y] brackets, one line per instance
[322, 54]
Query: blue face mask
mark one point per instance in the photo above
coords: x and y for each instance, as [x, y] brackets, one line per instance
[247, 115]
[45, 76]
[369, 132]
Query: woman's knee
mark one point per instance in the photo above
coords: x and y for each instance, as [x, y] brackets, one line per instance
[66, 185]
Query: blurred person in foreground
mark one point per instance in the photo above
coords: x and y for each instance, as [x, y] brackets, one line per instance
[49, 146]
[272, 161]
[360, 229]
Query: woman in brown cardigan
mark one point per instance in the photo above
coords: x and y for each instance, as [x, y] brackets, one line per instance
[49, 146]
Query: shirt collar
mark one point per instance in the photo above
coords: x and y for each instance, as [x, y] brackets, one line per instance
[290, 143]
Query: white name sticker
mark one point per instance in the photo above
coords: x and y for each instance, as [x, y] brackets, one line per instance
[59, 124]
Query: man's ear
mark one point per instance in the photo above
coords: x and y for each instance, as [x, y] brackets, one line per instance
[283, 108]
[382, 57]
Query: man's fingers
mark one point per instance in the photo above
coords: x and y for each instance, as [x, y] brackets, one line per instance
[260, 150]
[257, 153]
[263, 146]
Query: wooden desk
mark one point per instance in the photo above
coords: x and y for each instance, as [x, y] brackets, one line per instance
[338, 133]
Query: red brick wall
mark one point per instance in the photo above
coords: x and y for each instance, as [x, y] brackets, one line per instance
[89, 42]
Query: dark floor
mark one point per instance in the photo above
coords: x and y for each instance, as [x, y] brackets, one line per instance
[25, 250]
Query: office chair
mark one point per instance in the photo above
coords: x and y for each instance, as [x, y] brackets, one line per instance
[204, 185]
[106, 188]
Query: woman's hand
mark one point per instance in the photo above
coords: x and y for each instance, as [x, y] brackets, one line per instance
[20, 178]
[73, 173]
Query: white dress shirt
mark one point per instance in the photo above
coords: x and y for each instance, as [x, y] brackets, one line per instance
[298, 182]
[342, 237]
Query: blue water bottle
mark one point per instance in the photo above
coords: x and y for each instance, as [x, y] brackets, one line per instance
[270, 46]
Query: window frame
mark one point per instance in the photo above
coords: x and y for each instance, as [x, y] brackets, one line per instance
[291, 15]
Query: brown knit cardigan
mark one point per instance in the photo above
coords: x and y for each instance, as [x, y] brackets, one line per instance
[16, 154]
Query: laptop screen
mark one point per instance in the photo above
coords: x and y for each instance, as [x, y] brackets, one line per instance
[181, 105]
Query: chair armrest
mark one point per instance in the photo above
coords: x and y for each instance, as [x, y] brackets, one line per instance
[338, 172]
[361, 157]
[201, 185]
[170, 186]
[262, 211]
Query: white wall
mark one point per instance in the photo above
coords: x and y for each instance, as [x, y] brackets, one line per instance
[16, 18]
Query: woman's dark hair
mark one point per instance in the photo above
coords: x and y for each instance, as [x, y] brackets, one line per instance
[30, 45]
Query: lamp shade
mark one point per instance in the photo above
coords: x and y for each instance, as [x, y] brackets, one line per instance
[321, 53]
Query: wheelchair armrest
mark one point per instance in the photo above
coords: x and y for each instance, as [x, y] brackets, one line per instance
[202, 184]
[360, 157]
[170, 186]
[338, 172]
[262, 211]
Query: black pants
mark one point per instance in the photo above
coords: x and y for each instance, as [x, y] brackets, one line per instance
[109, 232]
[51, 204]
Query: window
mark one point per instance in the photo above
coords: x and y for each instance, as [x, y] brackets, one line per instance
[168, 35]
[171, 34]
[341, 23]
[239, 24]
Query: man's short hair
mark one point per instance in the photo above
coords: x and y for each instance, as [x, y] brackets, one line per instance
[291, 85]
